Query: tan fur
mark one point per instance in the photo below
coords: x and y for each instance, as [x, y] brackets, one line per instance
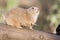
[19, 16]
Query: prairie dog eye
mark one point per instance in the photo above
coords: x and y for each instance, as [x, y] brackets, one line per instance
[32, 8]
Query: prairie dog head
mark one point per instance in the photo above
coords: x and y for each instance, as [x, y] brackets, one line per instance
[34, 11]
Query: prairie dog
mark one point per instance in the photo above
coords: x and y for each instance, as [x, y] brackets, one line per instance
[19, 16]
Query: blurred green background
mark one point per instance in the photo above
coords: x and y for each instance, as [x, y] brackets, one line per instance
[50, 12]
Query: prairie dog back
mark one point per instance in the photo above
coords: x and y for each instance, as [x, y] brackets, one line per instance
[19, 16]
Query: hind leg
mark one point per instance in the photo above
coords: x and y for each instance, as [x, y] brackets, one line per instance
[19, 26]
